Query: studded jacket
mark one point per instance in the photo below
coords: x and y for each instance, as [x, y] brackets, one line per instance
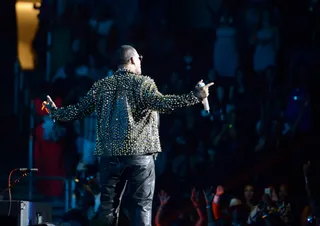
[127, 107]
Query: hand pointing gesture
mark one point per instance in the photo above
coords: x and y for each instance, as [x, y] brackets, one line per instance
[48, 105]
[203, 90]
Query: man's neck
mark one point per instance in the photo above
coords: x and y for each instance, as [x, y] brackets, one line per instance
[126, 68]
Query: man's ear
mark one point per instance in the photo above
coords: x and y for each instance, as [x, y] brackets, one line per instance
[132, 61]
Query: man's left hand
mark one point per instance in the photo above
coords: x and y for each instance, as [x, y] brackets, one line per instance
[203, 92]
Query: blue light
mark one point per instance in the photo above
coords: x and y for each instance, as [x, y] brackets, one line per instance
[295, 98]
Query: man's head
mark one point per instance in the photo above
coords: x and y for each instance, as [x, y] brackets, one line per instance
[129, 59]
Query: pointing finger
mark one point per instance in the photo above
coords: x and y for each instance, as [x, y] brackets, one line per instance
[49, 99]
[210, 84]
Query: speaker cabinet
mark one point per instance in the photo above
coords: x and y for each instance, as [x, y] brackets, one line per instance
[23, 213]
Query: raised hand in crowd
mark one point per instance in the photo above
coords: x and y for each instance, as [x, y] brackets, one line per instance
[195, 198]
[160, 218]
[163, 197]
[208, 195]
[197, 203]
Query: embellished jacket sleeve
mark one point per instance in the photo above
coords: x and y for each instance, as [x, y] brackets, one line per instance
[83, 108]
[152, 99]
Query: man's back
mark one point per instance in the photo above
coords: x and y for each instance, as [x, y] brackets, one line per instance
[124, 126]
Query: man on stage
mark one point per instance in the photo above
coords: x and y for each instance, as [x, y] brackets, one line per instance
[127, 106]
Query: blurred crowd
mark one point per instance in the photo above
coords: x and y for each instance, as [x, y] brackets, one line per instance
[261, 56]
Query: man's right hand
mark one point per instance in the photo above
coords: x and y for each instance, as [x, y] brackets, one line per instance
[48, 105]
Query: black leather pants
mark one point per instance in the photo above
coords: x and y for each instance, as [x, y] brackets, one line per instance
[116, 173]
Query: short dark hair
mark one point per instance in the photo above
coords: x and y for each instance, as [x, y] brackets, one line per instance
[124, 54]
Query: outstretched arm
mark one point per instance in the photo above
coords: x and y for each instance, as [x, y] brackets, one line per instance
[152, 99]
[208, 195]
[83, 108]
[195, 199]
